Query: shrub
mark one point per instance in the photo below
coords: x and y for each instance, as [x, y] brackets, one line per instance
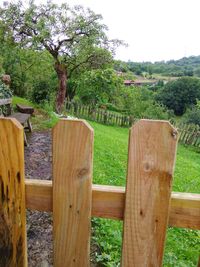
[180, 94]
[192, 116]
[140, 103]
[41, 92]
[5, 91]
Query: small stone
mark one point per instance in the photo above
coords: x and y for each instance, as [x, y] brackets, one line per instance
[44, 263]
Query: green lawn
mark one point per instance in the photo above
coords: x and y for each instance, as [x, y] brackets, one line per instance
[110, 161]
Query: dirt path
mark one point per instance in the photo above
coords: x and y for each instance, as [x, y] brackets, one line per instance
[38, 165]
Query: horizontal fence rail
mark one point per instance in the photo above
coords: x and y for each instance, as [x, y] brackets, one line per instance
[189, 134]
[109, 201]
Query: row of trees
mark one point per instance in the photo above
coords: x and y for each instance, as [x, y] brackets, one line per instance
[183, 67]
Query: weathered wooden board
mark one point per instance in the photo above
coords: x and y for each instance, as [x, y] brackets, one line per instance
[12, 195]
[5, 101]
[72, 192]
[152, 150]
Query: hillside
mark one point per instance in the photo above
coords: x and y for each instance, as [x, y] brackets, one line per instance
[187, 66]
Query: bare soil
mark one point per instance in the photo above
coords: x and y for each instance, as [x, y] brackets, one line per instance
[38, 165]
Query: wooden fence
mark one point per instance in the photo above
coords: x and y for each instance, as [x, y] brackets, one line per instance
[99, 115]
[146, 206]
[189, 134]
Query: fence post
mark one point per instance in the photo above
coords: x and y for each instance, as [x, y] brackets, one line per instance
[72, 192]
[105, 116]
[12, 195]
[152, 150]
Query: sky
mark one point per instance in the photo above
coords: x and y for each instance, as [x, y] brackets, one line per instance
[155, 30]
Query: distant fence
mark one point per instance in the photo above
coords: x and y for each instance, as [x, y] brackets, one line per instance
[99, 115]
[189, 134]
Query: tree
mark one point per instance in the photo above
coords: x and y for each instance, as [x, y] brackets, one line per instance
[180, 94]
[99, 86]
[140, 103]
[73, 36]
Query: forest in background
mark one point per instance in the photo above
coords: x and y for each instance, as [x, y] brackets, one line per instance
[186, 66]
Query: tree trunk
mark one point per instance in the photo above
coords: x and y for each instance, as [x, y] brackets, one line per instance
[61, 94]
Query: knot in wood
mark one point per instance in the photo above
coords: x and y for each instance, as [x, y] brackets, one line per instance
[148, 166]
[82, 173]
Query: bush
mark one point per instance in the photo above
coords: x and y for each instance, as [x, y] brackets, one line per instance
[157, 112]
[140, 103]
[180, 94]
[42, 92]
[5, 91]
[192, 116]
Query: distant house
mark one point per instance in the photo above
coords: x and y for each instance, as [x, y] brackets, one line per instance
[140, 82]
[128, 82]
[143, 82]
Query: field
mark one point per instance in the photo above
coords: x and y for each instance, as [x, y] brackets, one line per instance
[110, 159]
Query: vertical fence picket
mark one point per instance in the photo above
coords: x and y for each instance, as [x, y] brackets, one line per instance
[72, 192]
[12, 195]
[152, 149]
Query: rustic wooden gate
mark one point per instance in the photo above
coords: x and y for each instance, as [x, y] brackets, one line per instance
[147, 205]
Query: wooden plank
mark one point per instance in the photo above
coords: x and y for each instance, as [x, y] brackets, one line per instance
[185, 210]
[72, 192]
[109, 201]
[5, 101]
[152, 150]
[12, 195]
[39, 194]
[21, 117]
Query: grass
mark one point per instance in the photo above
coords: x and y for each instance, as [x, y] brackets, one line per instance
[44, 117]
[110, 162]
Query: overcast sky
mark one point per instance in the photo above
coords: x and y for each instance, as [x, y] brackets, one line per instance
[155, 30]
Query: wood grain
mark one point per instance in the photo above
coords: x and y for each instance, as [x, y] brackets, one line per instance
[72, 192]
[12, 195]
[109, 201]
[152, 150]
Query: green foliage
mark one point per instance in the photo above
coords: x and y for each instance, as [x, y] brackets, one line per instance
[120, 66]
[26, 67]
[192, 116]
[5, 91]
[140, 103]
[98, 86]
[41, 92]
[180, 94]
[103, 233]
[183, 67]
